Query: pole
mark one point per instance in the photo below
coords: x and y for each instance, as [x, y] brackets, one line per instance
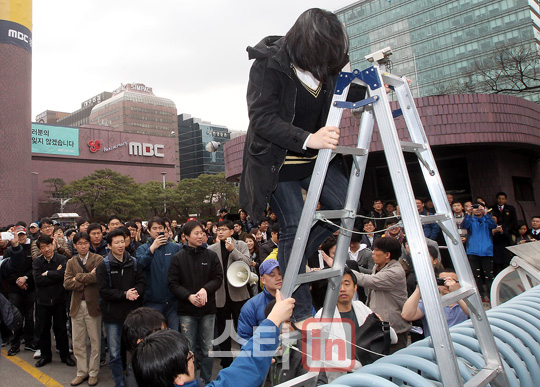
[164, 199]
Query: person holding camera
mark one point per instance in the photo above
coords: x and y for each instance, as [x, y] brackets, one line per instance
[155, 258]
[479, 246]
[456, 313]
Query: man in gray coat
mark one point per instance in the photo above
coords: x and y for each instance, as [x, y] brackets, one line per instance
[387, 288]
[229, 299]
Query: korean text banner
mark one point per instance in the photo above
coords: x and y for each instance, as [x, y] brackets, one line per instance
[55, 140]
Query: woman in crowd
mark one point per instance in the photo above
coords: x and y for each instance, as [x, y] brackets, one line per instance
[522, 234]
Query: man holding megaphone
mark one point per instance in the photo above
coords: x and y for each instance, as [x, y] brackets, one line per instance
[252, 313]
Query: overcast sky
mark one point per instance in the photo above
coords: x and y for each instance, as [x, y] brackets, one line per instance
[192, 52]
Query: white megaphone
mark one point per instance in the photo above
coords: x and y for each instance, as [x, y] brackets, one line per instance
[239, 274]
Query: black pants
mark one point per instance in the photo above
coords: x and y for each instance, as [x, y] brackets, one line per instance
[482, 269]
[54, 315]
[25, 303]
[231, 310]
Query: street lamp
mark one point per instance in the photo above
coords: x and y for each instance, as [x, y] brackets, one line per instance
[164, 199]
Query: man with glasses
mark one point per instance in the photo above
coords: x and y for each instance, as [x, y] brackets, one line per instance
[229, 299]
[84, 310]
[46, 227]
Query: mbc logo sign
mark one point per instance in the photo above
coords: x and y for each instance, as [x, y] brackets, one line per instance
[144, 149]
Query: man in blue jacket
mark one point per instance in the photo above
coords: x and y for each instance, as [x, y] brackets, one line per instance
[252, 313]
[479, 226]
[155, 258]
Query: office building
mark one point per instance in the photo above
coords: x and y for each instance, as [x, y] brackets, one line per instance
[193, 136]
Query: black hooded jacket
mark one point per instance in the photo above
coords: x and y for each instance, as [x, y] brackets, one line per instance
[271, 99]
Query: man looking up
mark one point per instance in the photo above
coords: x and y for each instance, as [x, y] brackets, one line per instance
[48, 270]
[195, 274]
[121, 288]
[155, 258]
[252, 313]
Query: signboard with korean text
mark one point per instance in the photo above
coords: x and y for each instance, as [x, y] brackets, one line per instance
[55, 140]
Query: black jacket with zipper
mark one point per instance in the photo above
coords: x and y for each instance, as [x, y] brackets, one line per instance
[271, 99]
[114, 305]
[192, 269]
[49, 288]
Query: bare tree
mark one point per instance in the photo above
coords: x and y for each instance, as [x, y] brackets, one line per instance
[512, 69]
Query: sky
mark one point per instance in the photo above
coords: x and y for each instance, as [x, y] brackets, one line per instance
[192, 52]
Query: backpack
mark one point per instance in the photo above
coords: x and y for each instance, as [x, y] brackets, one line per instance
[108, 267]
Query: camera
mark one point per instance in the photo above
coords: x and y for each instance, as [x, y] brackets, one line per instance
[7, 236]
[229, 240]
[440, 281]
[476, 205]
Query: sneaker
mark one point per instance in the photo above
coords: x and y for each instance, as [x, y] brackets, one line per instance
[31, 347]
[37, 354]
[13, 351]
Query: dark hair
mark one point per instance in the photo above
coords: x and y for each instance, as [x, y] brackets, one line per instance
[238, 223]
[45, 221]
[225, 223]
[114, 233]
[378, 200]
[366, 221]
[255, 243]
[81, 221]
[155, 219]
[190, 226]
[388, 245]
[244, 211]
[140, 323]
[447, 270]
[81, 235]
[355, 237]
[160, 358]
[275, 228]
[390, 202]
[535, 216]
[328, 243]
[113, 217]
[347, 270]
[433, 251]
[43, 240]
[56, 228]
[390, 221]
[264, 219]
[20, 223]
[136, 219]
[125, 230]
[501, 194]
[131, 224]
[69, 232]
[318, 43]
[92, 227]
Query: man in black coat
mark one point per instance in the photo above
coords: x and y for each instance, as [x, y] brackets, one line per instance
[121, 288]
[21, 288]
[48, 273]
[267, 247]
[505, 213]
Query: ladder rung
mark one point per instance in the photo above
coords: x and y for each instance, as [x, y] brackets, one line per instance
[350, 150]
[335, 214]
[317, 275]
[483, 377]
[391, 80]
[411, 146]
[455, 296]
[427, 219]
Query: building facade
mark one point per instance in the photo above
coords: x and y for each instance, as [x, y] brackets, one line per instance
[72, 153]
[482, 143]
[437, 44]
[193, 137]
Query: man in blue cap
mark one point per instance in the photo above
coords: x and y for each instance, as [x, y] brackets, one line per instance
[252, 313]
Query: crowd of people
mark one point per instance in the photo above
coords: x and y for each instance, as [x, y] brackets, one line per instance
[83, 282]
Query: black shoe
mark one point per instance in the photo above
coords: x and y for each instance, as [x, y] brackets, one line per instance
[13, 351]
[31, 347]
[41, 362]
[103, 362]
[68, 360]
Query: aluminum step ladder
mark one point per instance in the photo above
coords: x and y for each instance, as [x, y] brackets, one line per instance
[377, 108]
